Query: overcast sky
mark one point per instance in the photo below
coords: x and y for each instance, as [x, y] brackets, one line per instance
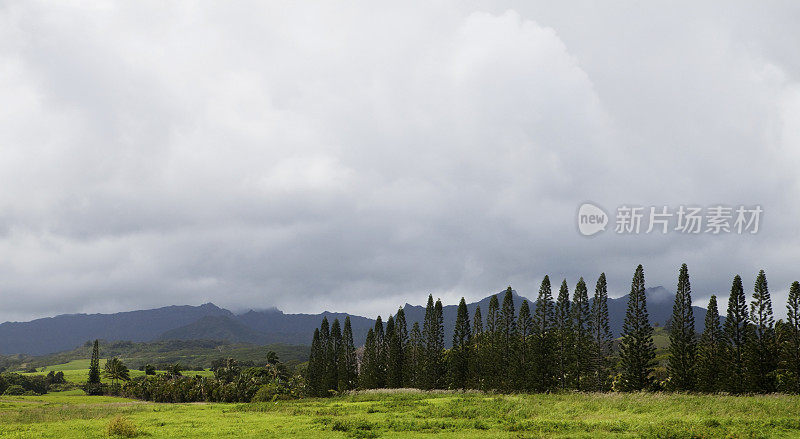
[357, 156]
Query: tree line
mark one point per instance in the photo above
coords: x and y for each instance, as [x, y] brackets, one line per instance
[567, 344]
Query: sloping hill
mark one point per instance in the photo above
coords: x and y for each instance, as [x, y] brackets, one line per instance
[222, 328]
[54, 334]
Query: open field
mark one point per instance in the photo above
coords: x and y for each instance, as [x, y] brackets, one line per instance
[77, 371]
[412, 414]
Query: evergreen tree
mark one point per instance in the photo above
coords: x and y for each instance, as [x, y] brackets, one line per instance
[460, 354]
[415, 357]
[762, 351]
[332, 356]
[582, 351]
[394, 356]
[544, 363]
[564, 337]
[602, 339]
[402, 334]
[491, 351]
[369, 366]
[682, 343]
[637, 352]
[506, 340]
[790, 342]
[433, 338]
[525, 349]
[736, 337]
[478, 340]
[380, 353]
[315, 370]
[438, 351]
[94, 364]
[711, 351]
[347, 362]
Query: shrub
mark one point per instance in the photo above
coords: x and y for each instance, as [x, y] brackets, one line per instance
[14, 389]
[94, 388]
[120, 426]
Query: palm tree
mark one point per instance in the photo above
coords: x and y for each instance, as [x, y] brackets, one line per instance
[116, 370]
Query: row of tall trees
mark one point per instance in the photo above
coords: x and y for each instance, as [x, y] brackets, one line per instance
[567, 343]
[332, 365]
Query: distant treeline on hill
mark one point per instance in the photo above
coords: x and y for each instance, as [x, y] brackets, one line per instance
[568, 344]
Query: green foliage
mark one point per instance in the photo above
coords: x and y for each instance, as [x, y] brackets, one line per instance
[121, 426]
[507, 341]
[762, 348]
[683, 346]
[711, 352]
[737, 329]
[602, 340]
[461, 353]
[94, 365]
[394, 355]
[347, 362]
[433, 346]
[544, 339]
[581, 368]
[524, 360]
[789, 338]
[564, 337]
[116, 370]
[14, 390]
[637, 352]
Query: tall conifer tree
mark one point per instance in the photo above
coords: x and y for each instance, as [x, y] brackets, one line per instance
[415, 357]
[682, 343]
[524, 361]
[394, 355]
[461, 353]
[332, 355]
[582, 352]
[507, 337]
[790, 341]
[478, 341]
[711, 351]
[348, 363]
[637, 352]
[402, 334]
[736, 338]
[380, 353]
[544, 339]
[762, 350]
[94, 364]
[491, 357]
[315, 371]
[600, 329]
[564, 337]
[370, 366]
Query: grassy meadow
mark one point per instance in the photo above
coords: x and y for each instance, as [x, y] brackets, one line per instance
[409, 414]
[77, 371]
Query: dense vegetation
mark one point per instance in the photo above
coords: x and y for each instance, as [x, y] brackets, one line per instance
[567, 344]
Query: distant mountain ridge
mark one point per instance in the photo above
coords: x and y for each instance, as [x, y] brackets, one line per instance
[210, 322]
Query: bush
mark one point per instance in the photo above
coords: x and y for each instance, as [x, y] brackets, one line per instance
[94, 389]
[120, 426]
[14, 389]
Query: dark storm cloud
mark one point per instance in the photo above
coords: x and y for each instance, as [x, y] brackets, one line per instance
[357, 157]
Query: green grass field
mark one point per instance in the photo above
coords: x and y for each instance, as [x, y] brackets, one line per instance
[412, 414]
[77, 371]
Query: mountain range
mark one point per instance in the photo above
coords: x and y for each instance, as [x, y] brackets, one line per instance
[210, 322]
